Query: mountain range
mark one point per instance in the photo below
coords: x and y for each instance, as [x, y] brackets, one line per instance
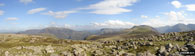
[64, 33]
[134, 32]
[141, 30]
[176, 28]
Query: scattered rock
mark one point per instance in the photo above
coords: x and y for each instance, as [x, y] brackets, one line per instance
[66, 53]
[145, 54]
[149, 44]
[191, 48]
[169, 47]
[6, 53]
[49, 49]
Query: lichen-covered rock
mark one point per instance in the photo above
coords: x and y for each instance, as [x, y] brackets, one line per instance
[162, 51]
[149, 44]
[169, 47]
[7, 53]
[66, 53]
[49, 49]
[145, 54]
[168, 44]
[53, 54]
[191, 48]
[98, 52]
[129, 54]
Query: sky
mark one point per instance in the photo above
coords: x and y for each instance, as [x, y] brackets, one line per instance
[19, 15]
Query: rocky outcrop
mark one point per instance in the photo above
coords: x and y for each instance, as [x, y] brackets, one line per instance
[169, 44]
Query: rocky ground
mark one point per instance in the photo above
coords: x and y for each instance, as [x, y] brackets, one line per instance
[169, 44]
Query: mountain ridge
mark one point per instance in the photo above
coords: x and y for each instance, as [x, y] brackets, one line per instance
[134, 32]
[176, 28]
[64, 33]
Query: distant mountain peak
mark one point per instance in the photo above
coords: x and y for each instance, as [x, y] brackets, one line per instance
[142, 26]
[180, 27]
[136, 31]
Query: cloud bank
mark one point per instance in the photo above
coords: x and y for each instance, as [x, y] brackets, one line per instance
[1, 12]
[26, 1]
[12, 19]
[33, 11]
[59, 14]
[109, 7]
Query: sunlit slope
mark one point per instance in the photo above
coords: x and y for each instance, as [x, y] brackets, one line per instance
[134, 32]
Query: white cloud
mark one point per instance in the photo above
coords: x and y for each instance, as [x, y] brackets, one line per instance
[171, 18]
[165, 22]
[111, 11]
[12, 18]
[154, 23]
[114, 24]
[26, 1]
[190, 7]
[1, 12]
[175, 15]
[144, 16]
[111, 6]
[68, 26]
[177, 4]
[59, 14]
[33, 11]
[2, 4]
[100, 25]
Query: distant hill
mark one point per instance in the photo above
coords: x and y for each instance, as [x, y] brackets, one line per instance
[64, 33]
[143, 30]
[109, 33]
[176, 28]
[134, 32]
[105, 32]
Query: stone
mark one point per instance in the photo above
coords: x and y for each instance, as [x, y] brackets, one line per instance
[145, 54]
[121, 52]
[176, 54]
[6, 53]
[149, 54]
[191, 48]
[49, 49]
[114, 52]
[128, 54]
[66, 53]
[79, 51]
[54, 54]
[134, 47]
[98, 52]
[169, 47]
[149, 44]
[183, 49]
[162, 51]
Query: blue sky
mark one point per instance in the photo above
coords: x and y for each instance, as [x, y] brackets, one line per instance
[18, 15]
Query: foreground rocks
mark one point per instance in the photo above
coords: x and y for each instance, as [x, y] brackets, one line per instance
[165, 45]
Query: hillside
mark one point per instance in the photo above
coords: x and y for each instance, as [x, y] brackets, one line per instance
[168, 44]
[63, 33]
[134, 32]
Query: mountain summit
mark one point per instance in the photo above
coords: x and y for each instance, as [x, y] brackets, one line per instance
[134, 32]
